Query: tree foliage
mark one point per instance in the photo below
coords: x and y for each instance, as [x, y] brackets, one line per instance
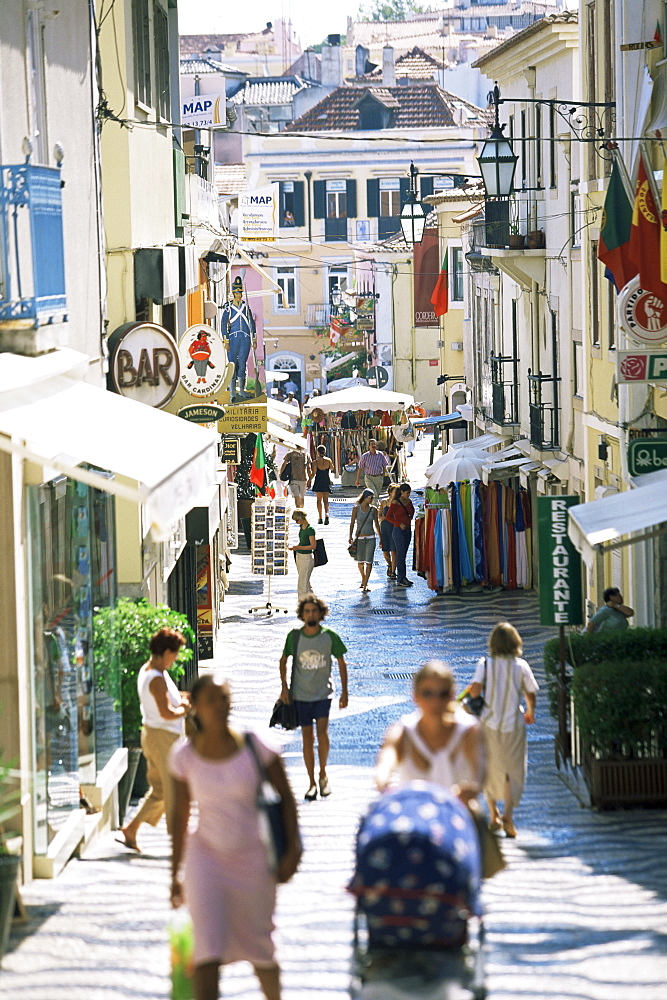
[390, 10]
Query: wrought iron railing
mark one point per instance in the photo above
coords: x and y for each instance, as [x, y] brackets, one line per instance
[318, 315]
[504, 390]
[32, 255]
[543, 414]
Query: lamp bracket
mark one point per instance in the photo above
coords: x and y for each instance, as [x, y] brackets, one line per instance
[589, 121]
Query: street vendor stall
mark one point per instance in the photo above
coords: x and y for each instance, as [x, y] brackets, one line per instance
[345, 421]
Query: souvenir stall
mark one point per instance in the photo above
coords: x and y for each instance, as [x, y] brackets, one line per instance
[345, 421]
[471, 533]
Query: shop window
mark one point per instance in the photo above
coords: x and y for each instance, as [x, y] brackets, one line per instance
[71, 554]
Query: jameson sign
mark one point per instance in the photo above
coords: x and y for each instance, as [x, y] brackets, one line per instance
[559, 564]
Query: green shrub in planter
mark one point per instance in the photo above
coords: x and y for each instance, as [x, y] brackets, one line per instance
[632, 645]
[121, 640]
[621, 708]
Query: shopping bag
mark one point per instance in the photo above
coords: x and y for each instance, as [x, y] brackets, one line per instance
[181, 940]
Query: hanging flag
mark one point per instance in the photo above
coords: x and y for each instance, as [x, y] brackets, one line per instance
[614, 242]
[657, 37]
[440, 296]
[336, 330]
[257, 469]
[645, 236]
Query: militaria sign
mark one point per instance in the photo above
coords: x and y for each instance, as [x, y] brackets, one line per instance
[559, 564]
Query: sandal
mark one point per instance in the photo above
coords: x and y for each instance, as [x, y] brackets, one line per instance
[311, 794]
[131, 845]
[325, 788]
[509, 828]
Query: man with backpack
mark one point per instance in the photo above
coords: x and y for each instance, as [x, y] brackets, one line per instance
[312, 648]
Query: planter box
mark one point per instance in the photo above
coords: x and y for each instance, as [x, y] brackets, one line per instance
[626, 782]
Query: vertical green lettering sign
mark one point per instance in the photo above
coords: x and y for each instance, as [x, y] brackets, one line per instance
[559, 564]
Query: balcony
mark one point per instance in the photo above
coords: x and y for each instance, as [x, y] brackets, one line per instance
[504, 390]
[544, 412]
[318, 315]
[32, 258]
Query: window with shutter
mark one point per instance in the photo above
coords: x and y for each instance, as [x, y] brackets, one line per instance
[161, 26]
[319, 199]
[372, 197]
[351, 187]
[142, 52]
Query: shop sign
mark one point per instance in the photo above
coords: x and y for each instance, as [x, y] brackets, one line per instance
[559, 564]
[641, 366]
[203, 360]
[204, 111]
[426, 271]
[144, 363]
[244, 419]
[647, 455]
[257, 213]
[642, 314]
[377, 376]
[230, 451]
[202, 413]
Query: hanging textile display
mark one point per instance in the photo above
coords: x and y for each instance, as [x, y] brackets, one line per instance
[346, 435]
[472, 534]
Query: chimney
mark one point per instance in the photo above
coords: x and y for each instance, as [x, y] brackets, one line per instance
[388, 67]
[332, 63]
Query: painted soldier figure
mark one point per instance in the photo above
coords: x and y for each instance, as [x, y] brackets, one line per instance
[238, 326]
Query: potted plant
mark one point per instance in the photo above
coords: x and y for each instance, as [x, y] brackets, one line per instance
[10, 857]
[516, 238]
[121, 640]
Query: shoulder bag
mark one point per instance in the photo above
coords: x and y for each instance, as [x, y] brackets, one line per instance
[320, 553]
[475, 706]
[284, 715]
[286, 474]
[270, 808]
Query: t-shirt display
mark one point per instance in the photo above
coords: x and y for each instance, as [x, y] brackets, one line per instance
[270, 537]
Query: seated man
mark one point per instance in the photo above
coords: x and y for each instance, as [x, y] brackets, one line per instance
[613, 614]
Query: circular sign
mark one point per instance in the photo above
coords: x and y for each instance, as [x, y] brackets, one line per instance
[377, 376]
[144, 363]
[203, 360]
[642, 314]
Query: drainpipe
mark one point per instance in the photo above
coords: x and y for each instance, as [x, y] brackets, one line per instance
[308, 175]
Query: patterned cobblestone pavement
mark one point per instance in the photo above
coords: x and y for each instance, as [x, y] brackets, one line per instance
[581, 911]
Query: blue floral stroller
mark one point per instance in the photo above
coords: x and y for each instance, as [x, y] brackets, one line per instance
[417, 883]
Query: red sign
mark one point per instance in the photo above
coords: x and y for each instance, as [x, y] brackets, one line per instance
[433, 363]
[642, 314]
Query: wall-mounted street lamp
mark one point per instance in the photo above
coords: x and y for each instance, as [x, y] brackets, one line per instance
[497, 160]
[413, 216]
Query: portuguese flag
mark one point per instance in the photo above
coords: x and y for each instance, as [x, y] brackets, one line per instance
[440, 296]
[257, 469]
[614, 242]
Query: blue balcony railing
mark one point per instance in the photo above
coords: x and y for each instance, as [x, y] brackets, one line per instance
[32, 256]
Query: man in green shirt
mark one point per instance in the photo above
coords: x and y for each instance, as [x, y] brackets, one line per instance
[312, 648]
[613, 614]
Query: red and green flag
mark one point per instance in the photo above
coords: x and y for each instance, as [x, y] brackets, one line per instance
[614, 242]
[258, 467]
[645, 235]
[440, 296]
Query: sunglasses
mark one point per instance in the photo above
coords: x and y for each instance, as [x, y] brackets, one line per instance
[428, 693]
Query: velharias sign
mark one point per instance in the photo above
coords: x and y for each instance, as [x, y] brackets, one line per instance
[559, 564]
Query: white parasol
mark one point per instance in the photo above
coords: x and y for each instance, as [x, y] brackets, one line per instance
[457, 468]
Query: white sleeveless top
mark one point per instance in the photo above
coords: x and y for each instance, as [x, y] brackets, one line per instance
[449, 765]
[150, 715]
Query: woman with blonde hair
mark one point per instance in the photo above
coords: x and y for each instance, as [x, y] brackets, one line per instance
[507, 682]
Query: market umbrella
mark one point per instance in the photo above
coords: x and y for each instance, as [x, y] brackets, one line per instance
[458, 468]
[475, 454]
[360, 397]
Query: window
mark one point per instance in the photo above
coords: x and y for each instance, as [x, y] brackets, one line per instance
[336, 278]
[142, 52]
[390, 196]
[611, 315]
[162, 62]
[578, 368]
[538, 146]
[36, 87]
[552, 146]
[595, 294]
[524, 151]
[286, 278]
[291, 204]
[457, 274]
[336, 200]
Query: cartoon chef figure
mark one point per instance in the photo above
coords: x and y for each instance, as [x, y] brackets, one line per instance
[200, 352]
[238, 326]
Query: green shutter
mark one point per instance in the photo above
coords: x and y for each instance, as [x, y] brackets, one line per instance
[320, 199]
[299, 213]
[372, 198]
[351, 187]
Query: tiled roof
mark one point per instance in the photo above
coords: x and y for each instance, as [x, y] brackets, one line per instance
[268, 92]
[566, 17]
[200, 65]
[421, 105]
[230, 178]
[416, 65]
[425, 30]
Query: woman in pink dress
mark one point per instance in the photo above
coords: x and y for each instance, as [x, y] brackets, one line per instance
[228, 884]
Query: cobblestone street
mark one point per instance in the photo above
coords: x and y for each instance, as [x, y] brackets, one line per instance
[580, 912]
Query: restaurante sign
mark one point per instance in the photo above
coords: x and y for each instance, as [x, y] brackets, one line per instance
[559, 564]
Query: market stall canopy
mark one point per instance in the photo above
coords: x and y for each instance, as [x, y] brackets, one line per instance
[345, 383]
[58, 423]
[440, 420]
[362, 397]
[600, 524]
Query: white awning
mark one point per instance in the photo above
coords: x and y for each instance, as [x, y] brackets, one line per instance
[276, 433]
[601, 524]
[60, 423]
[361, 397]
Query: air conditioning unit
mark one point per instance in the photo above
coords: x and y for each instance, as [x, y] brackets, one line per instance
[457, 345]
[605, 491]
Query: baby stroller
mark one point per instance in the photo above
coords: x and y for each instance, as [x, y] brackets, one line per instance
[417, 883]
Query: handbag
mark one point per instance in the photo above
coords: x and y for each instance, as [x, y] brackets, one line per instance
[320, 553]
[284, 716]
[286, 474]
[270, 808]
[475, 706]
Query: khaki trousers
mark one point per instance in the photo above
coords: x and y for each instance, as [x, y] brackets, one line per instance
[156, 744]
[304, 567]
[374, 483]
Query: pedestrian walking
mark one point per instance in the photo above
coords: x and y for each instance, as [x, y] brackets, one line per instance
[163, 710]
[320, 478]
[303, 553]
[387, 531]
[612, 615]
[298, 476]
[438, 742]
[372, 464]
[400, 513]
[505, 680]
[311, 688]
[228, 881]
[365, 517]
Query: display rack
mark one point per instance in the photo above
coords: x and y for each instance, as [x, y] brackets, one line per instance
[270, 546]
